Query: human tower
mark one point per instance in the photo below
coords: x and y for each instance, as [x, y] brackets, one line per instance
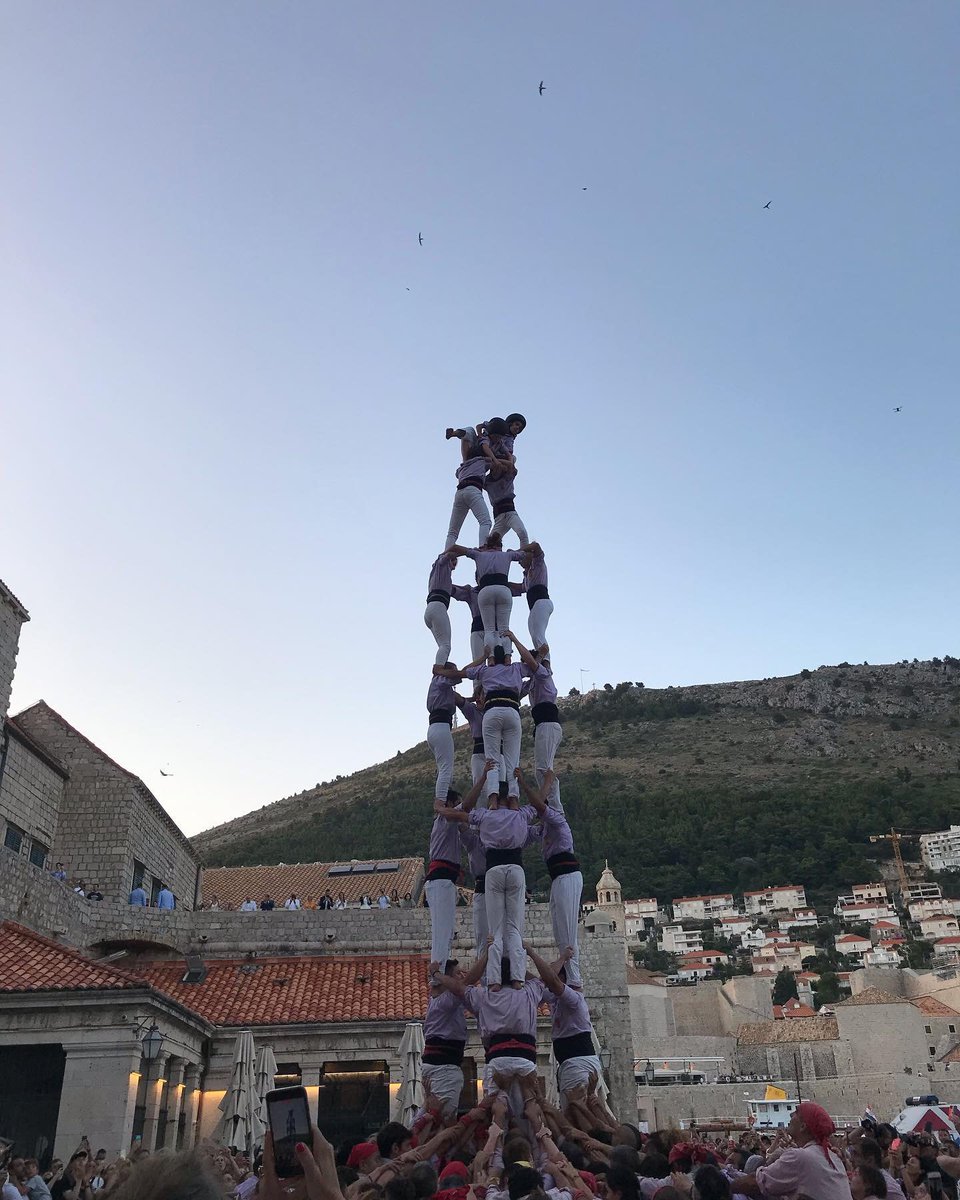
[489, 824]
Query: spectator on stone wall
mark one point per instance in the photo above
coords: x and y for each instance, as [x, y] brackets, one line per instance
[365, 901]
[138, 897]
[214, 905]
[383, 900]
[80, 888]
[310, 904]
[95, 893]
[165, 899]
[341, 901]
[325, 902]
[293, 904]
[249, 905]
[266, 904]
[59, 873]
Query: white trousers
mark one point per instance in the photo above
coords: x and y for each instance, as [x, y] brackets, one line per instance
[496, 604]
[470, 499]
[540, 614]
[440, 741]
[480, 927]
[478, 641]
[437, 620]
[508, 1066]
[477, 763]
[501, 742]
[546, 741]
[575, 1071]
[442, 898]
[511, 520]
[446, 1084]
[565, 893]
[505, 890]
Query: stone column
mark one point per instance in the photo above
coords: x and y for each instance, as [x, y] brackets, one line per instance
[175, 1089]
[191, 1104]
[155, 1072]
[98, 1097]
[605, 989]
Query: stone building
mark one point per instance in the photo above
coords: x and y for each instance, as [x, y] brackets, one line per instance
[62, 799]
[12, 617]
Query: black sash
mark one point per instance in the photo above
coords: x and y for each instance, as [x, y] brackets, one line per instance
[537, 592]
[512, 1045]
[440, 1052]
[577, 1045]
[504, 506]
[441, 716]
[545, 712]
[439, 594]
[503, 858]
[478, 745]
[490, 580]
[563, 863]
[479, 885]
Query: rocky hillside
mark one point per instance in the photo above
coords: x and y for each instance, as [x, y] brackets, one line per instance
[716, 786]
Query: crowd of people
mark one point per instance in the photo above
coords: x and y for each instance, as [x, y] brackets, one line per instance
[296, 903]
[578, 1152]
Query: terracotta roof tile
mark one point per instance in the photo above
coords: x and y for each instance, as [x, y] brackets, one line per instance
[281, 991]
[233, 884]
[31, 963]
[805, 1029]
[932, 1007]
[871, 995]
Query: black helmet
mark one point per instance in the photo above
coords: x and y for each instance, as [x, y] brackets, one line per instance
[516, 417]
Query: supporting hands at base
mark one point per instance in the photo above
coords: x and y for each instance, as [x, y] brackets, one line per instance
[462, 813]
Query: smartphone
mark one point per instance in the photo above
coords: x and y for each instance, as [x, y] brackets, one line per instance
[289, 1116]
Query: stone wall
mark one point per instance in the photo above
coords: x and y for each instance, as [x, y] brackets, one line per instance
[108, 818]
[12, 617]
[31, 791]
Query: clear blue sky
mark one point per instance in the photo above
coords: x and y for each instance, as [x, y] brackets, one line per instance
[224, 470]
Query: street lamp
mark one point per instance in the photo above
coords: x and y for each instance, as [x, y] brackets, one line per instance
[605, 1058]
[649, 1074]
[151, 1044]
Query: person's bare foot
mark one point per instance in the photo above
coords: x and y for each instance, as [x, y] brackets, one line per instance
[516, 984]
[493, 987]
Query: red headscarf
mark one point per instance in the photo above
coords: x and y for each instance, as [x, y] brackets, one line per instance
[695, 1151]
[819, 1124]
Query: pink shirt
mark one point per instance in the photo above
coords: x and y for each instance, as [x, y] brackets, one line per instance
[805, 1171]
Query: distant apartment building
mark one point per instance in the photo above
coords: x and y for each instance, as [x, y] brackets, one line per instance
[932, 907]
[851, 911]
[775, 899]
[700, 966]
[852, 944]
[677, 940]
[774, 956]
[882, 956]
[703, 908]
[805, 918]
[735, 926]
[922, 891]
[862, 892]
[937, 926]
[640, 916]
[941, 851]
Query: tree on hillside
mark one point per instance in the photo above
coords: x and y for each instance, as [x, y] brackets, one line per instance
[785, 987]
[826, 990]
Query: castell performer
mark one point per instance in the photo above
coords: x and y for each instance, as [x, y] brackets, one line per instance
[547, 730]
[572, 1033]
[566, 878]
[538, 598]
[472, 711]
[445, 1035]
[504, 829]
[436, 616]
[440, 886]
[470, 596]
[494, 597]
[469, 494]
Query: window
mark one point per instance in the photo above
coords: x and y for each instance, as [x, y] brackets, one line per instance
[952, 1028]
[932, 1050]
[927, 1029]
[139, 871]
[13, 838]
[38, 854]
[155, 891]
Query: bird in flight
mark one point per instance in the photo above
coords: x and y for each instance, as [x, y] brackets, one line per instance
[768, 203]
[420, 238]
[541, 89]
[165, 774]
[898, 409]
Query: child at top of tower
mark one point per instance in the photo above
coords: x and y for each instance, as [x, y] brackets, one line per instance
[497, 437]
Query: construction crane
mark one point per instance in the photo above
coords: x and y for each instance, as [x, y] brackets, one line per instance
[894, 837]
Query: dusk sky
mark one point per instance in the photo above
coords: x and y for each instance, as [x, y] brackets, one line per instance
[227, 363]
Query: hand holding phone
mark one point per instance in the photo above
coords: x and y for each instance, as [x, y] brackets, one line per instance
[318, 1178]
[288, 1114]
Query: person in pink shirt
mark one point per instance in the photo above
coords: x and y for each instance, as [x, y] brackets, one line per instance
[470, 480]
[807, 1168]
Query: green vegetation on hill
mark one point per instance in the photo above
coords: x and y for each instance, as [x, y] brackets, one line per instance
[684, 790]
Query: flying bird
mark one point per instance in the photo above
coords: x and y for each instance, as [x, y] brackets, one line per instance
[897, 409]
[420, 238]
[165, 774]
[541, 88]
[768, 203]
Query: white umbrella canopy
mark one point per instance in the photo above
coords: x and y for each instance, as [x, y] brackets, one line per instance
[410, 1095]
[266, 1074]
[240, 1126]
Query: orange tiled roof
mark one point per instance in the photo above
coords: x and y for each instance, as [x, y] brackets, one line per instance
[286, 991]
[32, 963]
[932, 1007]
[233, 884]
